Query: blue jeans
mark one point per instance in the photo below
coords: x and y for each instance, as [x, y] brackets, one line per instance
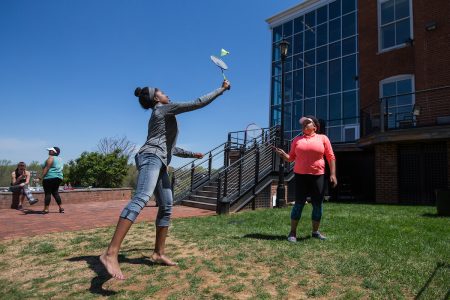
[152, 179]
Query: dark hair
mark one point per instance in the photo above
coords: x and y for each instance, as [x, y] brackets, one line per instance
[144, 97]
[316, 123]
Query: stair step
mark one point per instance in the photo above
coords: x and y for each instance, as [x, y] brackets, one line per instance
[204, 199]
[211, 194]
[197, 204]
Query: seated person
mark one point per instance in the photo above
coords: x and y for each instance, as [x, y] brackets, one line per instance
[20, 179]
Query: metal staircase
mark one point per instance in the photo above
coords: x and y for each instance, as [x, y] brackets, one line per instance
[232, 173]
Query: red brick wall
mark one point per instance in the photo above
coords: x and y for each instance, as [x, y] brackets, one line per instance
[74, 196]
[386, 173]
[428, 59]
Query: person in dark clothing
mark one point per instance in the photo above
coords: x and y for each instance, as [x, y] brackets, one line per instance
[20, 179]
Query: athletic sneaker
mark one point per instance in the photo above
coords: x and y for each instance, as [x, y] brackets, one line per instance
[318, 235]
[34, 201]
[292, 239]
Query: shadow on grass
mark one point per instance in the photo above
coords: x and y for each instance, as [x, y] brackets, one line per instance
[428, 215]
[439, 266]
[269, 237]
[103, 276]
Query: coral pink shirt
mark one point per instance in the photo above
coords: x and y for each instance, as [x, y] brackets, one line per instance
[308, 153]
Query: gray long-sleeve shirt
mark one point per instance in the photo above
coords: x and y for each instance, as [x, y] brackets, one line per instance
[163, 127]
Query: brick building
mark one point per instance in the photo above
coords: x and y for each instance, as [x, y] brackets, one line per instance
[377, 72]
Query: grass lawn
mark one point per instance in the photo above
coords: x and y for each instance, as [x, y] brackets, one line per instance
[372, 252]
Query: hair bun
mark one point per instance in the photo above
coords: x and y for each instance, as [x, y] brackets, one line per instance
[137, 92]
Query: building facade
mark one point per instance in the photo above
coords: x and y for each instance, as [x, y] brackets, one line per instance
[377, 73]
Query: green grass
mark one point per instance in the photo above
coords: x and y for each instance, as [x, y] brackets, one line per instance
[372, 252]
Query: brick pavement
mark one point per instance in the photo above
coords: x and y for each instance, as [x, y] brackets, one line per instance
[30, 222]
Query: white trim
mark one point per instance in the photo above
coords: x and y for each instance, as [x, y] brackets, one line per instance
[411, 27]
[296, 11]
[356, 127]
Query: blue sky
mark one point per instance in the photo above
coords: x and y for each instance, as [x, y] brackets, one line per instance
[68, 70]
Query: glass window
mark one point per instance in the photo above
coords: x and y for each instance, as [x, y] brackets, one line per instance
[321, 79]
[335, 110]
[334, 81]
[310, 39]
[322, 14]
[335, 134]
[310, 19]
[298, 43]
[388, 36]
[288, 87]
[322, 34]
[321, 54]
[288, 117]
[276, 90]
[335, 30]
[310, 58]
[310, 107]
[298, 24]
[348, 46]
[349, 72]
[350, 107]
[310, 78]
[276, 115]
[335, 50]
[298, 85]
[395, 23]
[401, 9]
[277, 33]
[322, 108]
[289, 40]
[402, 32]
[287, 28]
[399, 107]
[276, 68]
[275, 52]
[348, 6]
[348, 25]
[288, 64]
[298, 110]
[298, 61]
[335, 9]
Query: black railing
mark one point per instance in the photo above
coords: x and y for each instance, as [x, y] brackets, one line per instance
[406, 110]
[193, 175]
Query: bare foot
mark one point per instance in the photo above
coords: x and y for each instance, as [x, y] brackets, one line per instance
[163, 260]
[112, 266]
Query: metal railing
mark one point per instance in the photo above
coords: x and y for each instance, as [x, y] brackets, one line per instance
[406, 110]
[240, 144]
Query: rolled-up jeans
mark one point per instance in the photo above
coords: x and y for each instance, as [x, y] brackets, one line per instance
[152, 179]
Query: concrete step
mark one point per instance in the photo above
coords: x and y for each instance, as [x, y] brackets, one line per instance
[200, 205]
[210, 188]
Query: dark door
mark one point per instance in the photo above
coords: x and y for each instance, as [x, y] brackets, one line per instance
[422, 170]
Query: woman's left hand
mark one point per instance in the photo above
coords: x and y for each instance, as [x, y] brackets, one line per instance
[333, 180]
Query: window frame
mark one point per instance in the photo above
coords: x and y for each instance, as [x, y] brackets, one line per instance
[402, 45]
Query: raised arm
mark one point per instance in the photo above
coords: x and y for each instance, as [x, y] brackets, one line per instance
[178, 108]
[185, 153]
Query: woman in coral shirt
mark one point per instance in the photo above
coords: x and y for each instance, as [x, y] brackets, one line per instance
[307, 152]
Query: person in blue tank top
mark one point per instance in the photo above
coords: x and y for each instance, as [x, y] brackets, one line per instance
[52, 176]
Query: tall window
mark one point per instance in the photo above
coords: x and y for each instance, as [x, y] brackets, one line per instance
[394, 23]
[321, 70]
[397, 93]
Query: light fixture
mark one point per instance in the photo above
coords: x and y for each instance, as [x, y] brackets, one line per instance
[430, 26]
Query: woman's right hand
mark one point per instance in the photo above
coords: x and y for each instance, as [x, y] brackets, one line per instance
[226, 84]
[280, 152]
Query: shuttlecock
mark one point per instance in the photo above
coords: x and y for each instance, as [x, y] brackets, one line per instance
[224, 52]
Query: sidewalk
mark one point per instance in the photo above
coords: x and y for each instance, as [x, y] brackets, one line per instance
[15, 223]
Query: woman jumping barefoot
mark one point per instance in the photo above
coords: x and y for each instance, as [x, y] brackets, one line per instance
[152, 161]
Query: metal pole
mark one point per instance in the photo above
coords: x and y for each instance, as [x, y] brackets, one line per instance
[280, 202]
